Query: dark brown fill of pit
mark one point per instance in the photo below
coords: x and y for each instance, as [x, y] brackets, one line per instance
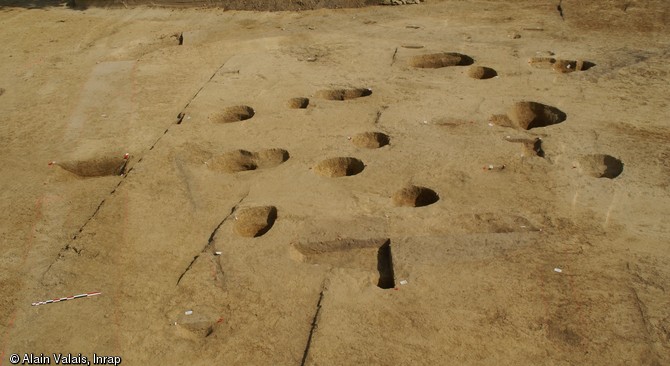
[352, 253]
[298, 103]
[385, 266]
[481, 72]
[535, 147]
[438, 60]
[2, 91]
[339, 167]
[343, 94]
[98, 167]
[415, 196]
[370, 140]
[233, 114]
[601, 166]
[253, 222]
[527, 115]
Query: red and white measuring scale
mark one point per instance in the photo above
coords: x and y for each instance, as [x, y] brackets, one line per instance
[88, 294]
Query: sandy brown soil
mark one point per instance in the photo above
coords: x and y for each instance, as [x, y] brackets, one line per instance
[289, 228]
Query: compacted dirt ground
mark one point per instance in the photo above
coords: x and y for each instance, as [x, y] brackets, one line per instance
[453, 182]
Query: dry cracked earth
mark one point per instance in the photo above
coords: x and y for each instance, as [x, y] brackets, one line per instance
[453, 182]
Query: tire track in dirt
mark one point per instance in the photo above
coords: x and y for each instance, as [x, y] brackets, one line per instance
[130, 169]
[211, 238]
[39, 204]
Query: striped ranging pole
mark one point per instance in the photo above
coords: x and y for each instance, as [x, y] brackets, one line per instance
[88, 294]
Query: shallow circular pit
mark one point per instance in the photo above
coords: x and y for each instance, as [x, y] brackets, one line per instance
[233, 161]
[201, 323]
[268, 158]
[298, 103]
[560, 65]
[233, 114]
[481, 72]
[567, 66]
[339, 167]
[439, 60]
[96, 167]
[253, 222]
[344, 94]
[528, 115]
[243, 160]
[564, 66]
[370, 140]
[600, 166]
[415, 196]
